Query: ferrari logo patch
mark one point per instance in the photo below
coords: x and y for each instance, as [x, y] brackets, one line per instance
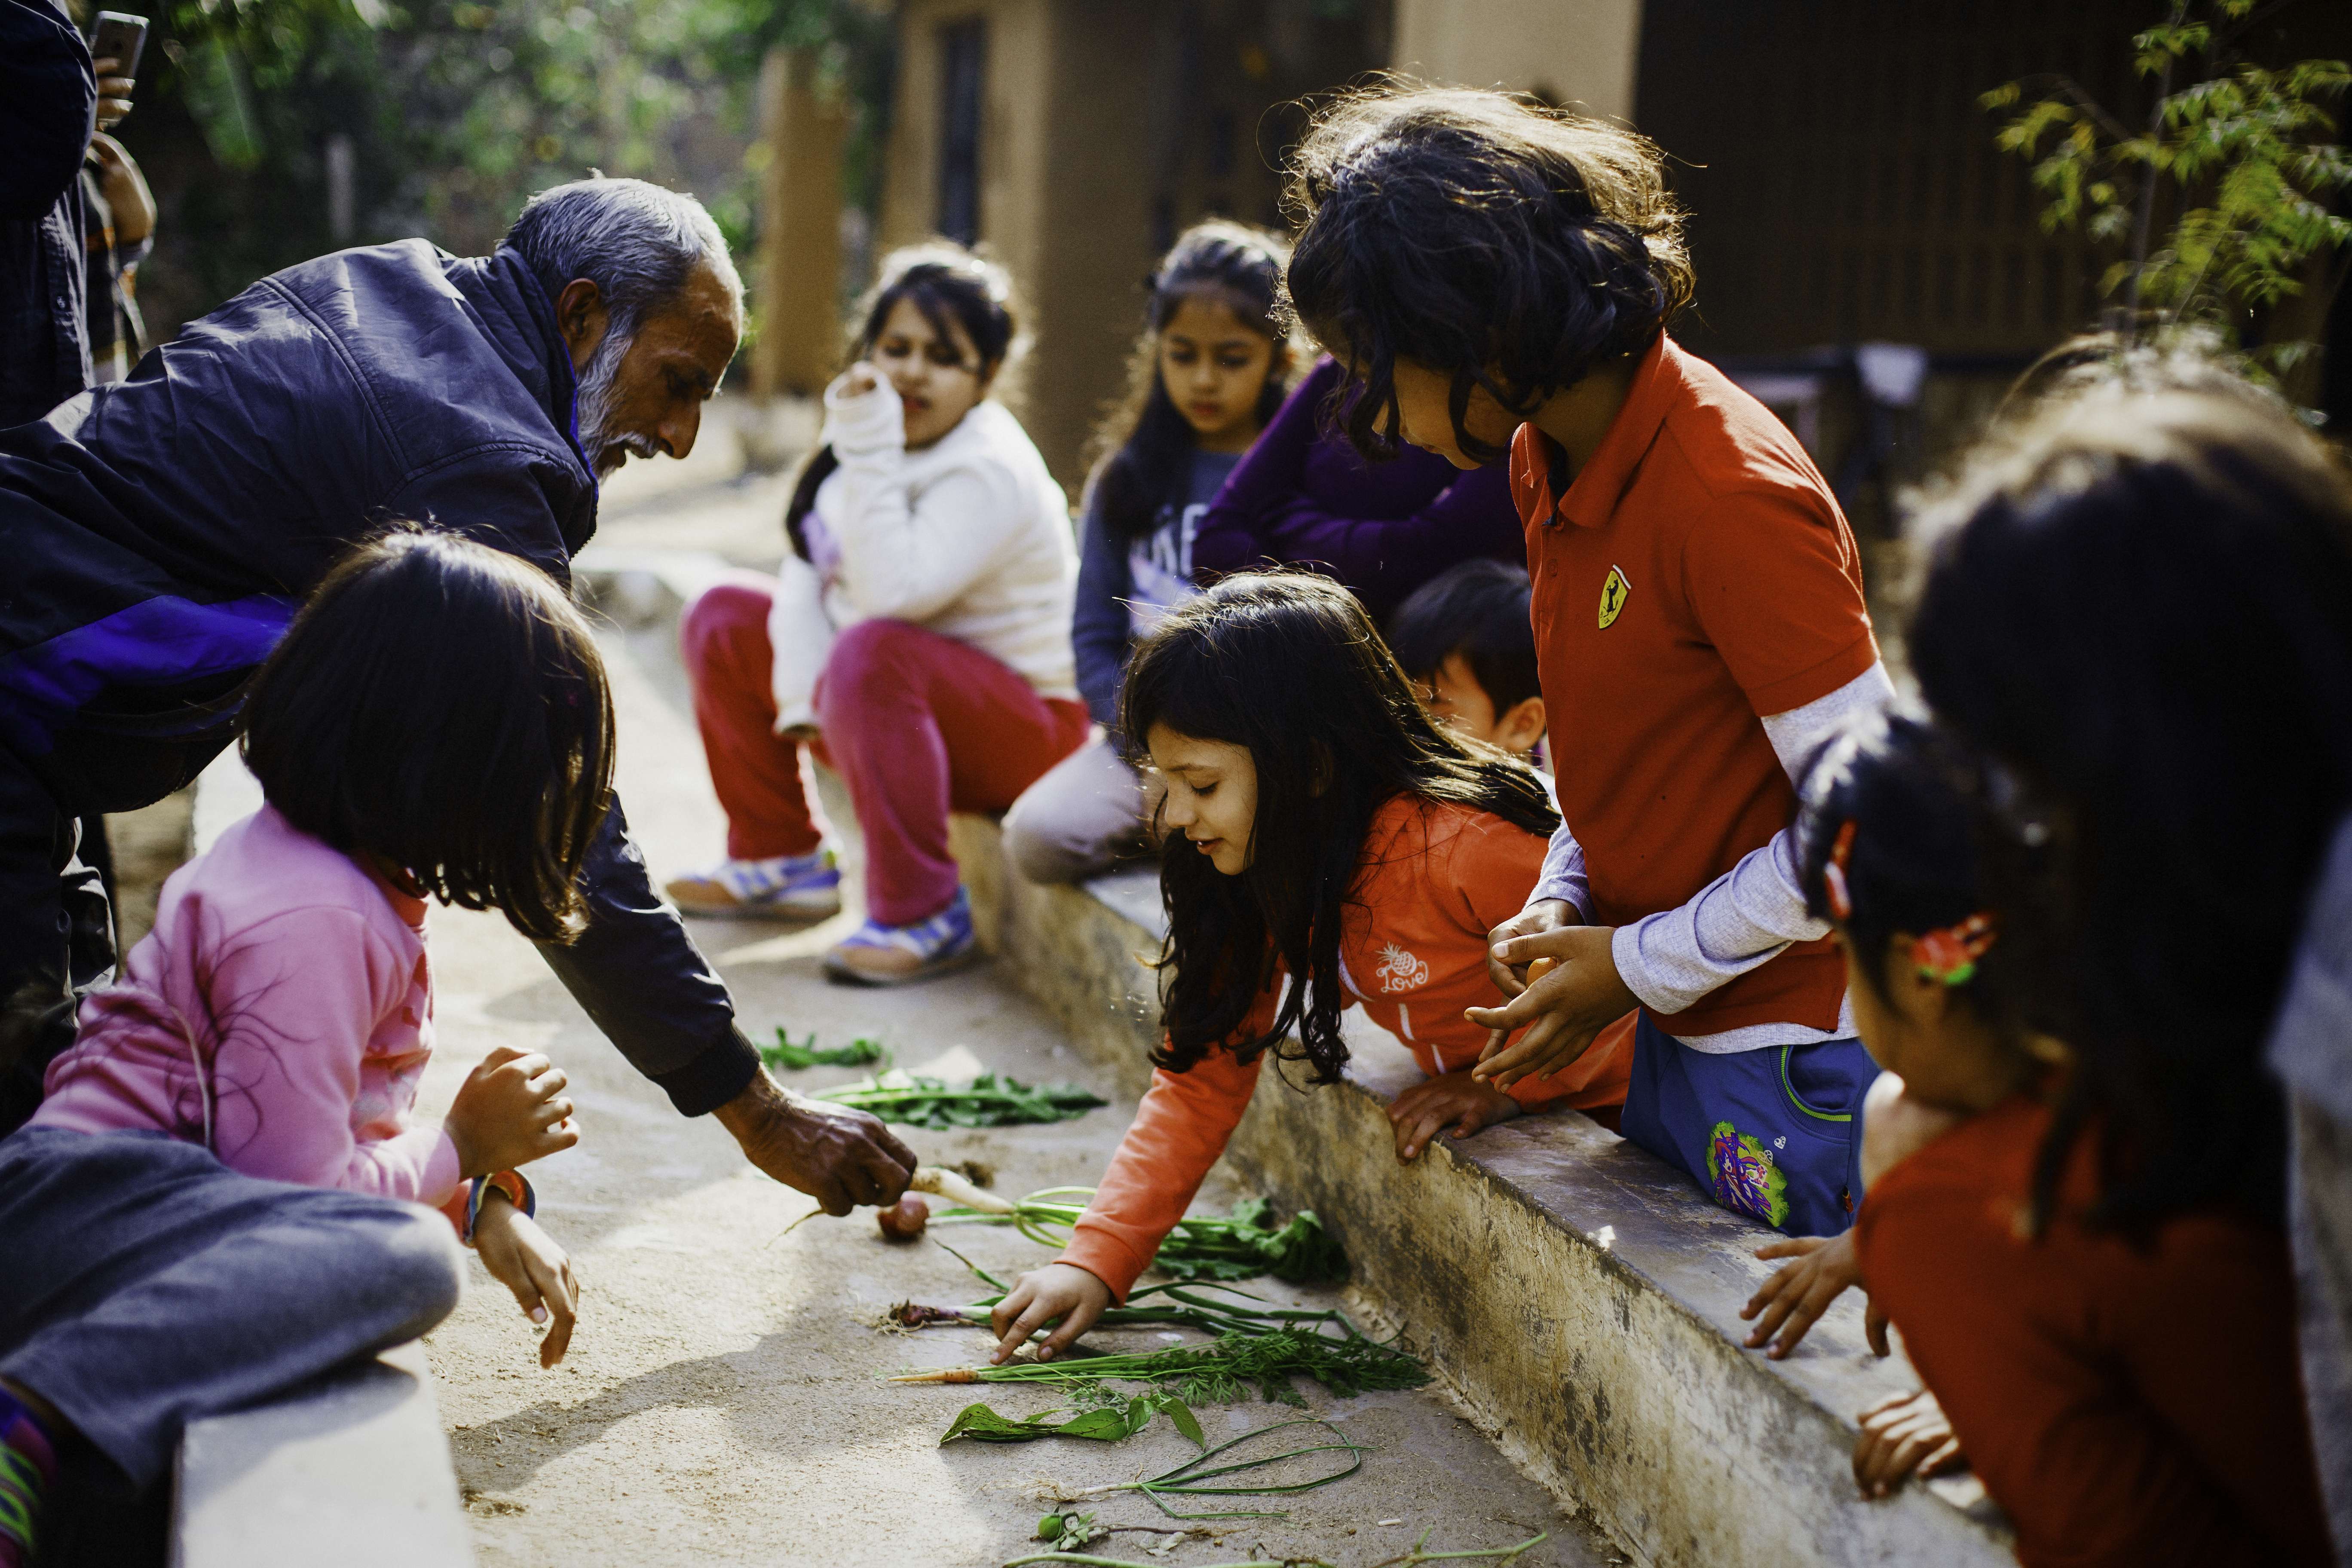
[1612, 595]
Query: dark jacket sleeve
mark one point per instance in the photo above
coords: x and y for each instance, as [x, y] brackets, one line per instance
[1100, 626]
[48, 98]
[1385, 559]
[1271, 475]
[634, 970]
[642, 981]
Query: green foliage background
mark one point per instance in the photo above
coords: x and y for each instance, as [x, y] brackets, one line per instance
[456, 113]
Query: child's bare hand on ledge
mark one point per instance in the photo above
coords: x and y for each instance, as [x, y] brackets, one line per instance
[1903, 1434]
[1793, 1300]
[1426, 1108]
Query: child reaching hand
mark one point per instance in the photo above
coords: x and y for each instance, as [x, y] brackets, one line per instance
[1320, 828]
[434, 723]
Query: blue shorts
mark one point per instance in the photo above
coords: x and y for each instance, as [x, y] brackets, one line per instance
[1774, 1132]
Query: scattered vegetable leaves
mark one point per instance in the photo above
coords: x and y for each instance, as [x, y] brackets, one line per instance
[1242, 1245]
[1221, 1373]
[1213, 1309]
[988, 1100]
[1106, 1424]
[787, 1052]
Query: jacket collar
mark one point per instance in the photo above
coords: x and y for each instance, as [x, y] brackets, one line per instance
[1593, 498]
[521, 321]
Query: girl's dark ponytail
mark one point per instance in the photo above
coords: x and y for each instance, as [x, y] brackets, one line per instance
[1147, 443]
[946, 283]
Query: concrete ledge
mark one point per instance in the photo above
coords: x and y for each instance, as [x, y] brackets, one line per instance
[351, 1470]
[1580, 1297]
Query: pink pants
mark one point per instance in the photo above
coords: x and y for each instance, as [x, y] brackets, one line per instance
[917, 725]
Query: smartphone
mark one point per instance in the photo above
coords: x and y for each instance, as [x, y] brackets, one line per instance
[119, 35]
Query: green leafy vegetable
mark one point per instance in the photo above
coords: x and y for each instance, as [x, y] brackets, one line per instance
[987, 1102]
[1213, 1309]
[787, 1052]
[1108, 1423]
[1221, 1373]
[1242, 1245]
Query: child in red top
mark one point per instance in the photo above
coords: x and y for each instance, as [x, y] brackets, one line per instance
[1499, 278]
[1319, 827]
[2127, 1399]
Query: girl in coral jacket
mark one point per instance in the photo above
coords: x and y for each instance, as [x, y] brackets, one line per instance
[1319, 825]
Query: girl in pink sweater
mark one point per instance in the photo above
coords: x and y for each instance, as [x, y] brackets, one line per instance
[436, 723]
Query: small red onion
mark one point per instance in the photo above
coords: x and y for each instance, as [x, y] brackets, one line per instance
[904, 1220]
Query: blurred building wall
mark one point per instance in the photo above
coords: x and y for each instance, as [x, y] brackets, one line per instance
[1100, 130]
[1579, 52]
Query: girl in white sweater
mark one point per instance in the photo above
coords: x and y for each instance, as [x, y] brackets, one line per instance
[917, 637]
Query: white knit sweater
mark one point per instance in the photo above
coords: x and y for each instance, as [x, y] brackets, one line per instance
[969, 537]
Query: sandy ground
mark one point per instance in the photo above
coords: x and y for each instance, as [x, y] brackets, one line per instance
[722, 1402]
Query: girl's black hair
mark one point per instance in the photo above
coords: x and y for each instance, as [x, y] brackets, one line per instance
[441, 705]
[946, 283]
[1147, 442]
[1513, 248]
[1287, 665]
[2141, 614]
[1912, 866]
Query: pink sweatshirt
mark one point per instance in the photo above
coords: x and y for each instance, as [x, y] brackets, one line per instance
[299, 980]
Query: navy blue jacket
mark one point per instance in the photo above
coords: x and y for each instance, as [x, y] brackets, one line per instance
[158, 533]
[49, 103]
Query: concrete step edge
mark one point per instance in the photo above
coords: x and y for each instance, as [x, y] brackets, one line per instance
[1579, 1297]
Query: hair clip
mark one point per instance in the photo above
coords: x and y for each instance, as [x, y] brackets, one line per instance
[1950, 954]
[1834, 873]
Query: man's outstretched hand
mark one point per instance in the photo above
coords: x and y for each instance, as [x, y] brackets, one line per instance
[840, 1157]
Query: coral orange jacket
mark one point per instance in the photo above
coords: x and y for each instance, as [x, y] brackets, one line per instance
[1433, 881]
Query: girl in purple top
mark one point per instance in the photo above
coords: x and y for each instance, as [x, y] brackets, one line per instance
[1304, 498]
[1209, 371]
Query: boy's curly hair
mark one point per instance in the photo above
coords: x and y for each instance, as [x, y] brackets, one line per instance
[1513, 246]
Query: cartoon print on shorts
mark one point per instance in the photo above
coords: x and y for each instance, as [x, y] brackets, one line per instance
[1746, 1180]
[1401, 971]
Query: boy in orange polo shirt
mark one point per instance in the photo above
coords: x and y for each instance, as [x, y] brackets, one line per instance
[1499, 276]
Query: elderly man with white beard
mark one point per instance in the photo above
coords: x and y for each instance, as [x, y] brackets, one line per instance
[156, 535]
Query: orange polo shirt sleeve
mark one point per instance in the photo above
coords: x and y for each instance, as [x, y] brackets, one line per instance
[1180, 1129]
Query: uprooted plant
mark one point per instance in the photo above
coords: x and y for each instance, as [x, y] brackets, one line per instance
[988, 1100]
[795, 1055]
[1242, 1245]
[1219, 1372]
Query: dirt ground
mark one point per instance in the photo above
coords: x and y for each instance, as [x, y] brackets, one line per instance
[723, 1401]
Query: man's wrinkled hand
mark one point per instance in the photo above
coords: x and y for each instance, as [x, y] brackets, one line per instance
[1561, 1012]
[839, 1156]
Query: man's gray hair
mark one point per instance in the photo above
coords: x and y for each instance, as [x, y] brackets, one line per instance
[636, 242]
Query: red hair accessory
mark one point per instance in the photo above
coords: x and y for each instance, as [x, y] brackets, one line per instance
[1834, 873]
[1950, 954]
